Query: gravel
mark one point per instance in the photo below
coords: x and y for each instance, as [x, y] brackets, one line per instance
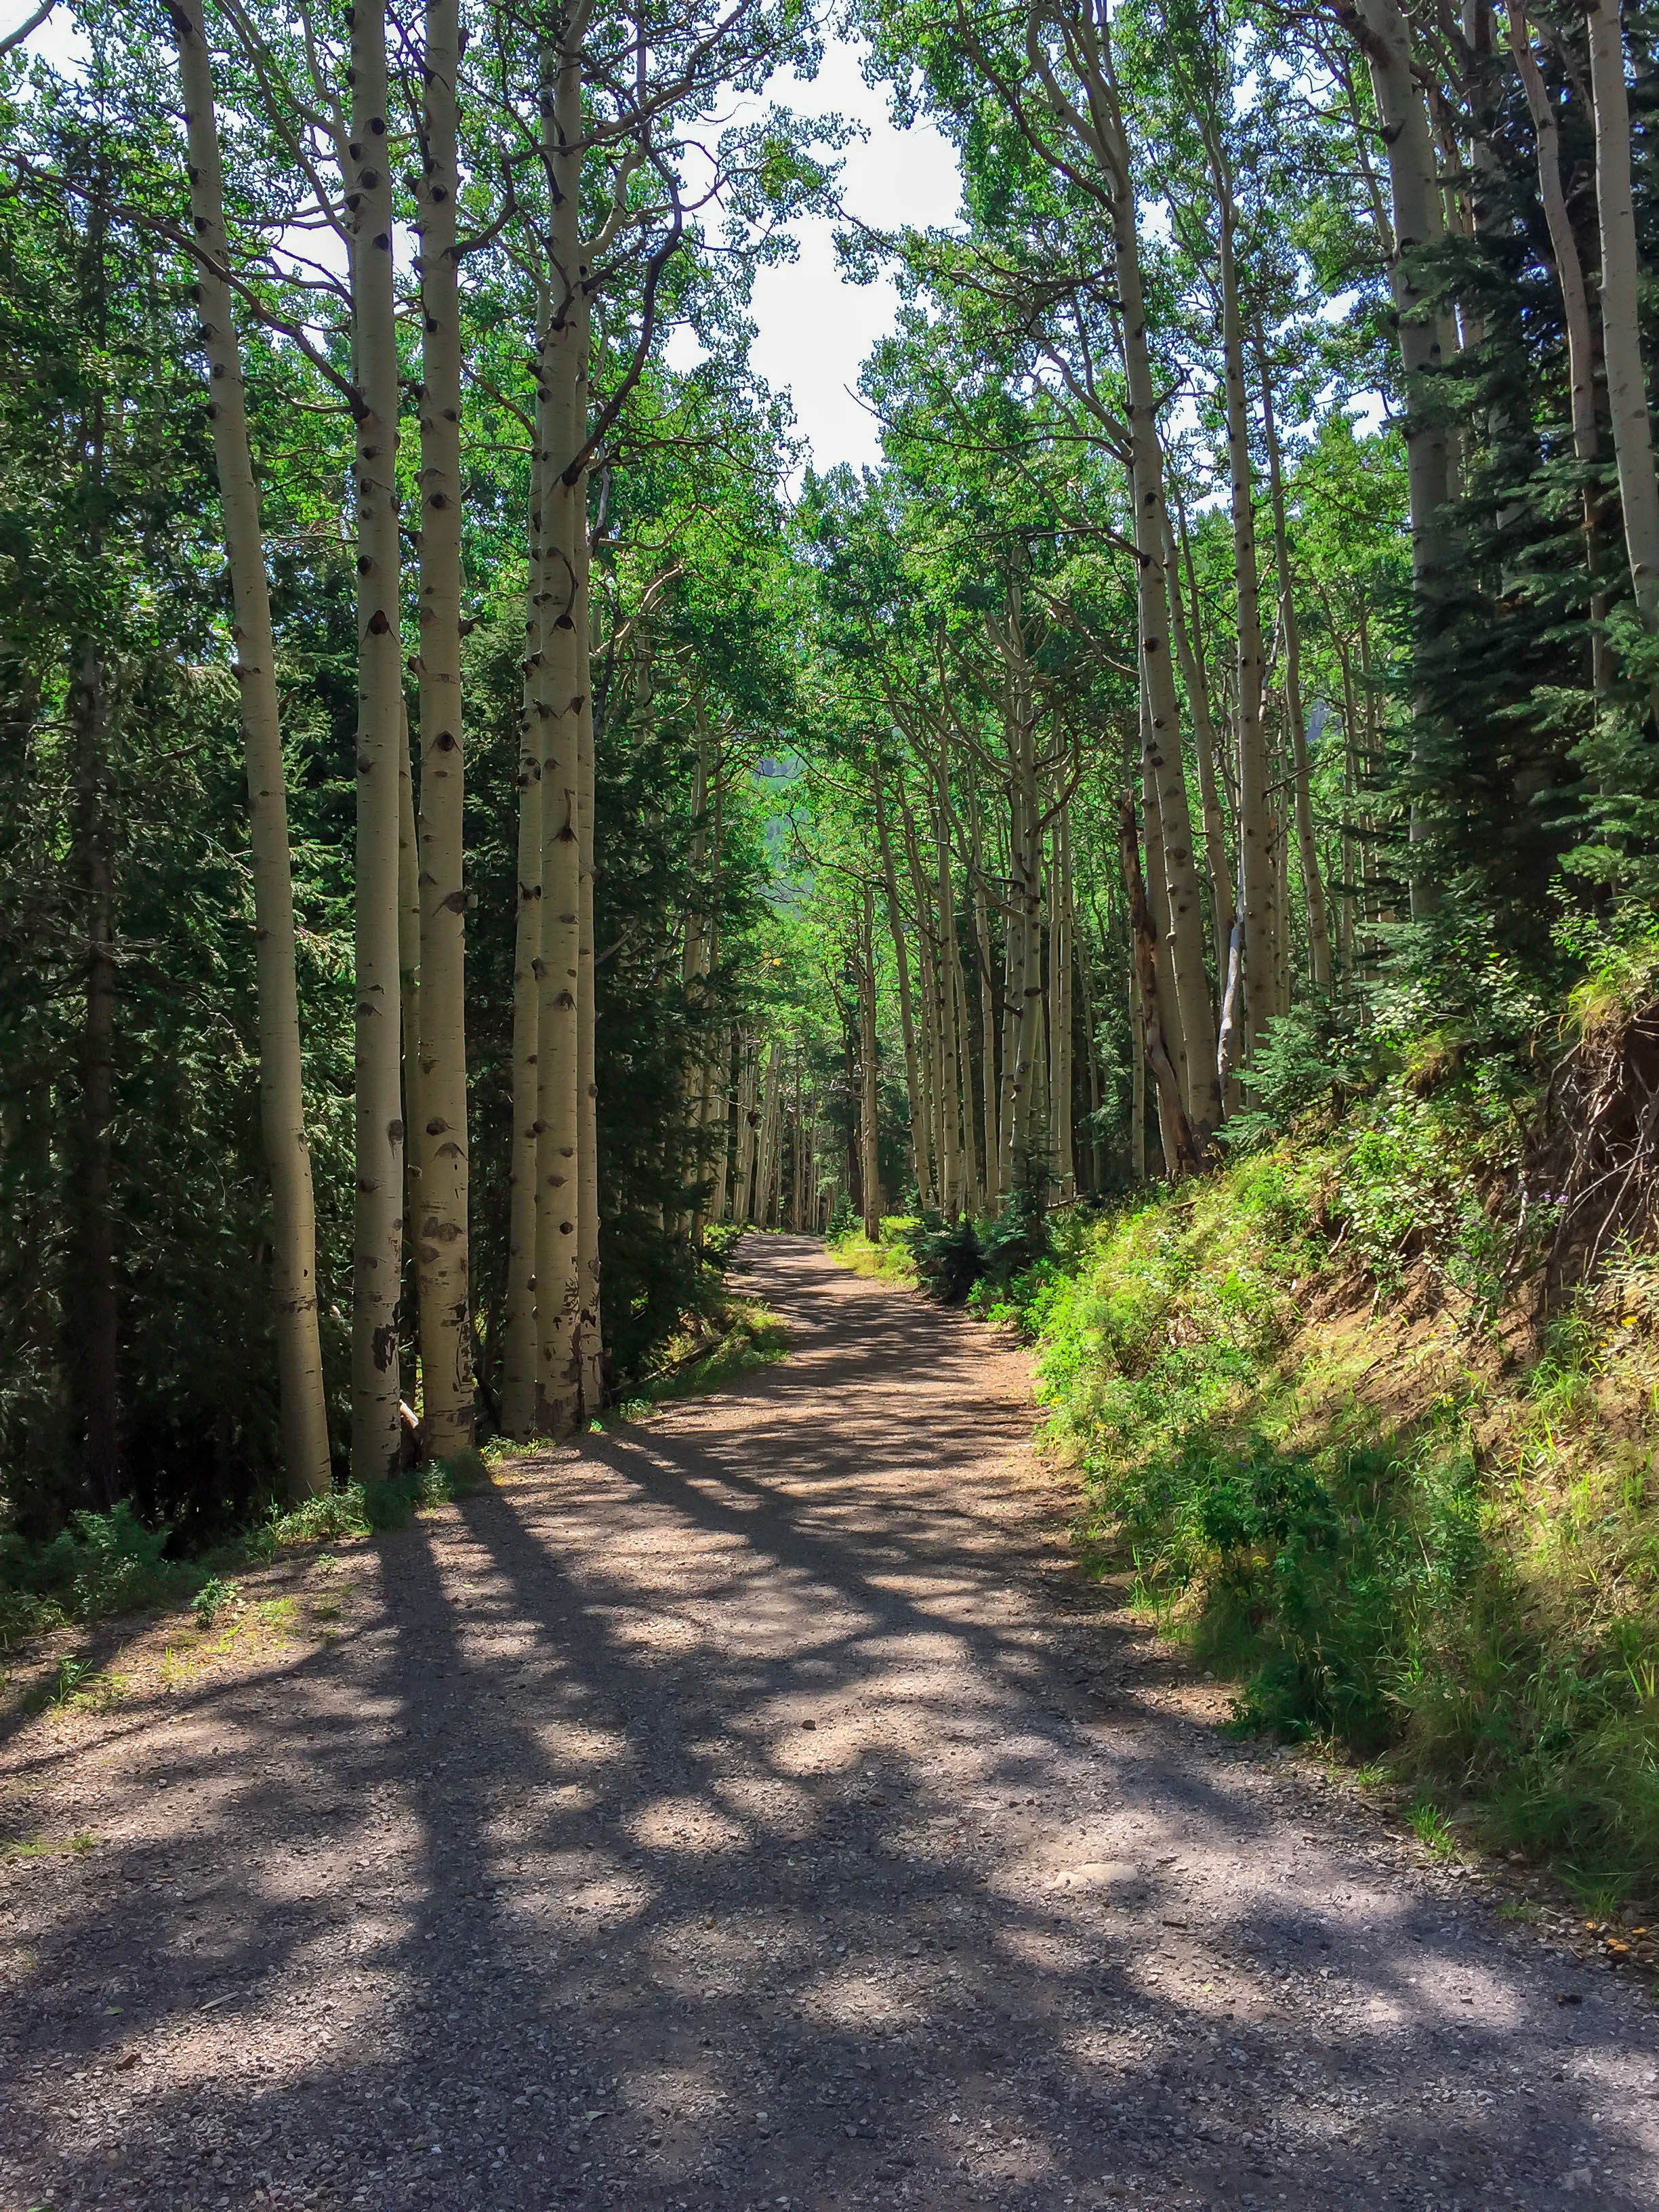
[753, 1809]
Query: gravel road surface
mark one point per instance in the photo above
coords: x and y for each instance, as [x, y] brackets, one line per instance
[753, 1809]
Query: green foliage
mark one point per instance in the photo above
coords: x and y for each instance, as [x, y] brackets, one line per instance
[217, 1595]
[1367, 1574]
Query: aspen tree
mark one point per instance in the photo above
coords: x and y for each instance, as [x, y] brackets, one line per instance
[1059, 971]
[282, 1105]
[409, 973]
[1196, 684]
[1575, 304]
[1179, 1150]
[907, 1017]
[376, 1425]
[1313, 888]
[1384, 37]
[1621, 330]
[988, 1012]
[869, 1096]
[590, 1319]
[561, 389]
[950, 964]
[1137, 1079]
[440, 1125]
[1263, 917]
[97, 1346]
[1098, 128]
[973, 1191]
[518, 1380]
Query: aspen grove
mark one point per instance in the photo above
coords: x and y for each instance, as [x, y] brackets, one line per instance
[487, 818]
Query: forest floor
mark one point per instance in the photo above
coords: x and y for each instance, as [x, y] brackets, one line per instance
[753, 1806]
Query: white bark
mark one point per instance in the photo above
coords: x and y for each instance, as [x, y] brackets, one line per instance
[440, 1128]
[376, 1420]
[282, 1105]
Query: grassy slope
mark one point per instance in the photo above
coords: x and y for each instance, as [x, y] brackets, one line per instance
[1401, 1524]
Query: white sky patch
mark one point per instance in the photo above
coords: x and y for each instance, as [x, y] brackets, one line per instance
[58, 40]
[815, 328]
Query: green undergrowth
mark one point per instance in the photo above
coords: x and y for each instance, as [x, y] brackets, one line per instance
[1341, 1461]
[714, 1353]
[890, 1261]
[106, 1564]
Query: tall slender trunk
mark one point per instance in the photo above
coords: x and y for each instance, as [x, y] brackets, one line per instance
[1575, 304]
[376, 1423]
[96, 1342]
[441, 1244]
[1191, 1014]
[1313, 889]
[562, 403]
[1060, 1008]
[519, 1379]
[906, 1016]
[973, 1197]
[927, 1071]
[1263, 918]
[748, 1122]
[281, 1103]
[869, 1096]
[409, 994]
[949, 963]
[1418, 221]
[1621, 333]
[1158, 908]
[1181, 1151]
[1196, 682]
[1137, 1079]
[590, 1312]
[987, 1009]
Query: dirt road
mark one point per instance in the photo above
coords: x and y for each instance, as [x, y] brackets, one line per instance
[752, 1810]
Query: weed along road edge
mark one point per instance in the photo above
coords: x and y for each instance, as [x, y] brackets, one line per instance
[751, 1808]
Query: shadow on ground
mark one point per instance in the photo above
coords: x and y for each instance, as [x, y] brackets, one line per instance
[737, 1813]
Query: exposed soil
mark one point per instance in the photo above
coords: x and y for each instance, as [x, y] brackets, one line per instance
[754, 1807]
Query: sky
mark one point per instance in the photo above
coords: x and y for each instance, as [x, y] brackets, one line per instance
[815, 328]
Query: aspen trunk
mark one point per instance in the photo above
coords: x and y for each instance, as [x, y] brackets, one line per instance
[973, 1196]
[1263, 918]
[1575, 303]
[376, 1423]
[408, 992]
[869, 1155]
[519, 1379]
[95, 1344]
[748, 1121]
[1194, 679]
[907, 1018]
[723, 1153]
[1023, 994]
[561, 420]
[1061, 1012]
[987, 1011]
[282, 1105]
[1313, 889]
[1180, 1157]
[1137, 1077]
[1621, 335]
[590, 1317]
[1418, 221]
[1157, 908]
[927, 1071]
[1192, 1017]
[950, 964]
[442, 1256]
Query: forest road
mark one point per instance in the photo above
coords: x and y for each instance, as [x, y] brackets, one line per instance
[752, 1808]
